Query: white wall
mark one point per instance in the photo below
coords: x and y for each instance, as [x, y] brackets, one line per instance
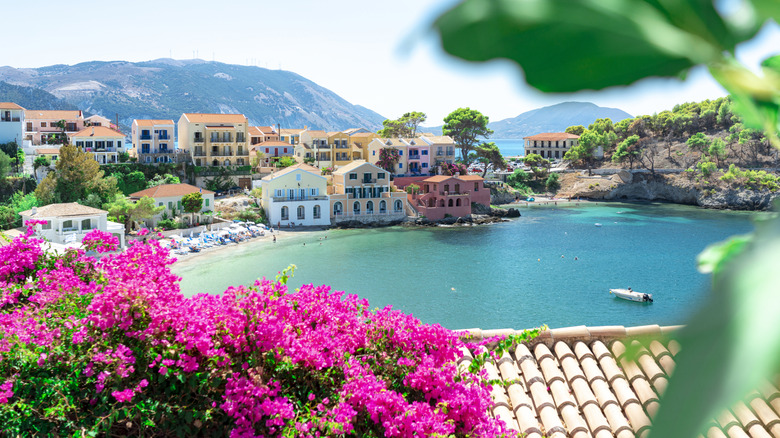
[274, 212]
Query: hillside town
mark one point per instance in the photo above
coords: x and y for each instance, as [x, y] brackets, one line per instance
[297, 177]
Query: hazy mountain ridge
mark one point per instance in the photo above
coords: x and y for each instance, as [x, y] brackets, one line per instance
[554, 118]
[166, 88]
[32, 98]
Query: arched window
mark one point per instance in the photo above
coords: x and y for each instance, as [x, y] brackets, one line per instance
[285, 213]
[382, 206]
[316, 212]
[215, 163]
[398, 206]
[449, 204]
[197, 161]
[370, 207]
[431, 202]
[301, 212]
[338, 209]
[227, 162]
[457, 202]
[356, 208]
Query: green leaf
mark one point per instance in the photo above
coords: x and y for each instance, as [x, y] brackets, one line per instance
[716, 255]
[570, 45]
[767, 9]
[732, 343]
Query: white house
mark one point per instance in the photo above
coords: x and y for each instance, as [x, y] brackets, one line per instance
[11, 123]
[296, 195]
[103, 143]
[68, 223]
[169, 196]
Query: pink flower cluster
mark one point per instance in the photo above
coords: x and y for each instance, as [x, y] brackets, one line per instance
[309, 363]
[100, 241]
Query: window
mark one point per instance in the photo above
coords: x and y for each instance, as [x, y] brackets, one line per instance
[373, 153]
[425, 151]
[206, 202]
[316, 212]
[298, 177]
[476, 186]
[46, 226]
[424, 165]
[86, 224]
[380, 175]
[356, 208]
[382, 206]
[397, 205]
[400, 152]
[313, 192]
[43, 124]
[367, 177]
[285, 213]
[160, 204]
[370, 207]
[148, 159]
[68, 225]
[353, 176]
[178, 204]
[170, 205]
[279, 193]
[118, 143]
[400, 165]
[337, 209]
[301, 212]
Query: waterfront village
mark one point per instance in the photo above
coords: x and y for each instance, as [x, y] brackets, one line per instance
[298, 177]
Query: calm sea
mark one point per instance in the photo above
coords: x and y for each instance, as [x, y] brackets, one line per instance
[511, 147]
[516, 274]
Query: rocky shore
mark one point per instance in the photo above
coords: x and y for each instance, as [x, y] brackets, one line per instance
[673, 187]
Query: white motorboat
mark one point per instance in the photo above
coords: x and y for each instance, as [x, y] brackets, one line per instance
[632, 295]
[597, 224]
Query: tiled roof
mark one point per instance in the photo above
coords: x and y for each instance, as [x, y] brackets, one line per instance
[285, 171]
[215, 118]
[577, 382]
[437, 139]
[471, 178]
[169, 191]
[286, 131]
[55, 114]
[266, 129]
[354, 165]
[63, 210]
[363, 134]
[254, 130]
[47, 151]
[98, 131]
[439, 178]
[151, 122]
[273, 143]
[317, 134]
[552, 136]
[395, 142]
[10, 105]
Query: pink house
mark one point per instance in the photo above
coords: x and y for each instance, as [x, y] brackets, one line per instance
[41, 126]
[441, 196]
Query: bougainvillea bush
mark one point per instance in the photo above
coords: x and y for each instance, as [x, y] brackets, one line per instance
[111, 347]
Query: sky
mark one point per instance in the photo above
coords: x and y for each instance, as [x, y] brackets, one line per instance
[381, 55]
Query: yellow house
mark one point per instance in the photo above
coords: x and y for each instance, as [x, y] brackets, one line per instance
[339, 143]
[296, 196]
[363, 192]
[358, 142]
[215, 139]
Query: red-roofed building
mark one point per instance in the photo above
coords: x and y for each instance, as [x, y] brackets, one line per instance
[272, 151]
[550, 145]
[169, 196]
[443, 195]
[41, 126]
[11, 123]
[154, 142]
[103, 143]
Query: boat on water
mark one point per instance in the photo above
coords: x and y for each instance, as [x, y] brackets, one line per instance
[597, 224]
[632, 295]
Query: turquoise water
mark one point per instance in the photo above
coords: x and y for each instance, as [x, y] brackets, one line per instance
[503, 275]
[511, 147]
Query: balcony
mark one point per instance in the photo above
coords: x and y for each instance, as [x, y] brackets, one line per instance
[414, 157]
[368, 180]
[299, 198]
[146, 137]
[198, 140]
[10, 119]
[198, 153]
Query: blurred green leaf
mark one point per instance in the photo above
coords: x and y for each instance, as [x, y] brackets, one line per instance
[767, 9]
[716, 255]
[570, 45]
[732, 343]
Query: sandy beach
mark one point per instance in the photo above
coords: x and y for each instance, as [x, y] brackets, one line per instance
[284, 235]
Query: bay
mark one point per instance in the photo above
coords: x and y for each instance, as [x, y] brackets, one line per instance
[510, 147]
[516, 274]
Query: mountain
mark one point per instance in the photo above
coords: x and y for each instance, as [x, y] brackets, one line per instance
[554, 118]
[166, 88]
[33, 98]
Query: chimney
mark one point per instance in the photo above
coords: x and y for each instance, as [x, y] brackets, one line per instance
[93, 131]
[34, 211]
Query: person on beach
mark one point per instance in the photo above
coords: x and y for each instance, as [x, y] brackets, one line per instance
[274, 239]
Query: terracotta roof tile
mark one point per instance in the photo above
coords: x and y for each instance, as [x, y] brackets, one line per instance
[153, 122]
[10, 106]
[63, 210]
[53, 114]
[551, 136]
[215, 118]
[170, 190]
[98, 131]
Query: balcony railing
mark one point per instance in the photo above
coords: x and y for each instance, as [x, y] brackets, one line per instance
[368, 180]
[198, 140]
[11, 119]
[146, 137]
[414, 157]
[198, 153]
[452, 194]
[299, 198]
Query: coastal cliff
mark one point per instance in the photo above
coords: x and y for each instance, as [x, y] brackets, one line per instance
[677, 188]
